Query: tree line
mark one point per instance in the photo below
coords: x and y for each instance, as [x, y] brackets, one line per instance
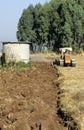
[56, 24]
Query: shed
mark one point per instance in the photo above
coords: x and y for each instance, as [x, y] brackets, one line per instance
[16, 51]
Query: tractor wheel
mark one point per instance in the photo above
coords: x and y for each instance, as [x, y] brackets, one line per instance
[61, 62]
[73, 64]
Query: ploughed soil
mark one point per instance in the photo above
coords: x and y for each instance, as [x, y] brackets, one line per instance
[28, 98]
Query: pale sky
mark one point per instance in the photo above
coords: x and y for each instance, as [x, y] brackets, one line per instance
[10, 12]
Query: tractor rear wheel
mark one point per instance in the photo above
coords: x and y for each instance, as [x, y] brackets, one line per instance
[61, 62]
[73, 64]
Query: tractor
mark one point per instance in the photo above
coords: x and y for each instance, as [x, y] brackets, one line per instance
[65, 58]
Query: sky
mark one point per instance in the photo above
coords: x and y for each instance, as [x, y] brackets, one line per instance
[10, 12]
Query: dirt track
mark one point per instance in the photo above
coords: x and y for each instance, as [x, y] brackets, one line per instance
[28, 99]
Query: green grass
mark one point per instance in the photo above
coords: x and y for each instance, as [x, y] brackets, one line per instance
[16, 66]
[21, 64]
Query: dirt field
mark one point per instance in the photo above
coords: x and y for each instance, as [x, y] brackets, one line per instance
[36, 98]
[28, 99]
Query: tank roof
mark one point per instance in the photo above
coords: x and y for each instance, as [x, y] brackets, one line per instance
[19, 42]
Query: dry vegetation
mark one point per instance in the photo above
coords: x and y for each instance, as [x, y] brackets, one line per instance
[71, 102]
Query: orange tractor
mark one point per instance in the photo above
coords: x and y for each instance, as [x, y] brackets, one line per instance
[65, 58]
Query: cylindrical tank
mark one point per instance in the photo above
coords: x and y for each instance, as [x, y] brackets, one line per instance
[16, 51]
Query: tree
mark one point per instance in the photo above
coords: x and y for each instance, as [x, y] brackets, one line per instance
[66, 23]
[55, 24]
[77, 21]
[25, 26]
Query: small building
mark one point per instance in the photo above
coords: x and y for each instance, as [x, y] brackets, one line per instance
[16, 51]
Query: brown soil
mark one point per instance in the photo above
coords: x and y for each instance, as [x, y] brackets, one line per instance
[28, 99]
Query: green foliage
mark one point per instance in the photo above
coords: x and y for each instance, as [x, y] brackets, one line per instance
[59, 23]
[21, 64]
[14, 65]
[25, 26]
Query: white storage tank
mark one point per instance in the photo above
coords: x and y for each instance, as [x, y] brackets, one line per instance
[16, 51]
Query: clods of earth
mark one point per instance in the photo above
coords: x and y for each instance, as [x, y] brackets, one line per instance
[28, 99]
